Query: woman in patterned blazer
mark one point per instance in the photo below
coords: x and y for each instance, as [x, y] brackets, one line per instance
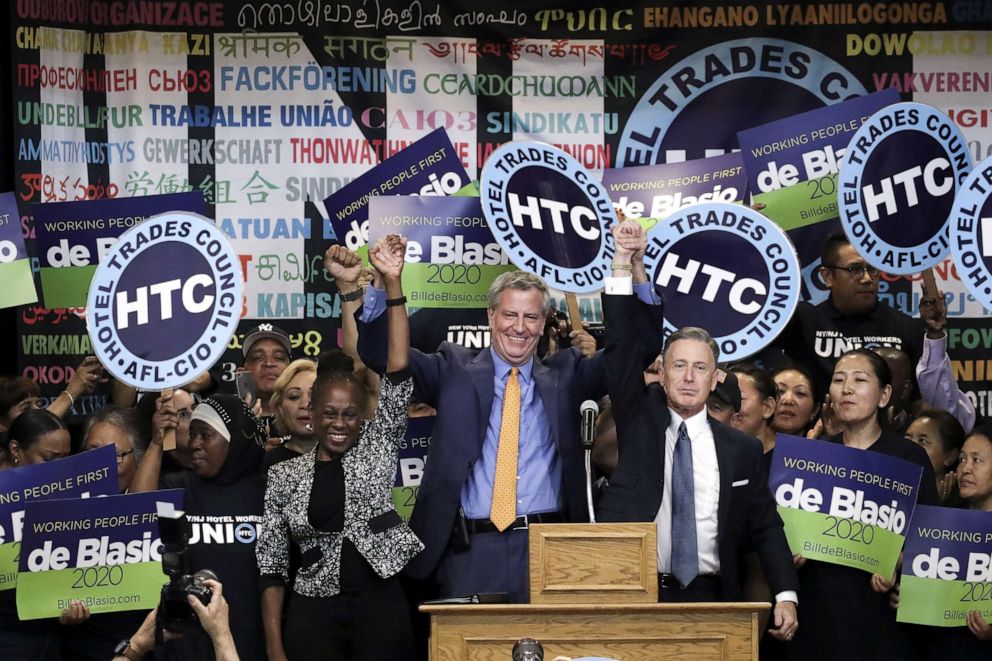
[335, 503]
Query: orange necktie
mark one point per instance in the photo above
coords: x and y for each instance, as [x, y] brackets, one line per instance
[504, 509]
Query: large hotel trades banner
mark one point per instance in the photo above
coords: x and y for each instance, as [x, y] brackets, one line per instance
[269, 108]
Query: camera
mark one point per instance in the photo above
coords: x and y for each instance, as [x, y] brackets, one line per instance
[174, 612]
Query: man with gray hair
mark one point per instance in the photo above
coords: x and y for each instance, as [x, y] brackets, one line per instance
[701, 482]
[505, 450]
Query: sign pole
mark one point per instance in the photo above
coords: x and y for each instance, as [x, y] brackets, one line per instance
[168, 435]
[574, 317]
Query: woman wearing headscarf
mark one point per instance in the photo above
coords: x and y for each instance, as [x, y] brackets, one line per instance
[223, 502]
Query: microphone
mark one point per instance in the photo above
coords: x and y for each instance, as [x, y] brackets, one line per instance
[528, 649]
[589, 410]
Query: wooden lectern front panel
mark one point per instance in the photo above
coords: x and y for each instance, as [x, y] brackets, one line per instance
[625, 632]
[580, 563]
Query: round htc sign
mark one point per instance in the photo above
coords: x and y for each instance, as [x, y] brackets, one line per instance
[165, 301]
[897, 184]
[728, 269]
[971, 233]
[549, 215]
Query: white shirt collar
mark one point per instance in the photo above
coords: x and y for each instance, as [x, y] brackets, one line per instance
[693, 424]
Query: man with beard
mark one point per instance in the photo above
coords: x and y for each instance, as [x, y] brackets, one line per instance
[851, 317]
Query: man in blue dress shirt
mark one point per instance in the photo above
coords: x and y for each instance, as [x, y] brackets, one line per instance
[471, 548]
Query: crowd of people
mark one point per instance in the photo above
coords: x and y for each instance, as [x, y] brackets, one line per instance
[307, 454]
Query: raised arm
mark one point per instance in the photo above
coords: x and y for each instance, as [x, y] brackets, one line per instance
[346, 268]
[87, 375]
[934, 373]
[149, 469]
[624, 362]
[387, 256]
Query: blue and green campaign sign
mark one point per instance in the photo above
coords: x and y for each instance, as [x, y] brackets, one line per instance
[84, 475]
[73, 237]
[947, 567]
[15, 266]
[451, 254]
[105, 552]
[410, 465]
[429, 166]
[656, 191]
[805, 148]
[842, 505]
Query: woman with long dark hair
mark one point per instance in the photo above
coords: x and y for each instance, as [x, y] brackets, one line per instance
[844, 612]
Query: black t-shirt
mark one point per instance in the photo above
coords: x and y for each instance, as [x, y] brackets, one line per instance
[432, 326]
[818, 335]
[326, 513]
[225, 521]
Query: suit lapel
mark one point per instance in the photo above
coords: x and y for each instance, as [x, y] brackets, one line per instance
[481, 372]
[725, 460]
[662, 418]
[546, 381]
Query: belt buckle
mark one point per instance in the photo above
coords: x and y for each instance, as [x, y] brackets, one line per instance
[522, 526]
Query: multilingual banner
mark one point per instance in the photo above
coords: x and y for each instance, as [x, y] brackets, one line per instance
[946, 567]
[451, 254]
[842, 505]
[84, 475]
[104, 552]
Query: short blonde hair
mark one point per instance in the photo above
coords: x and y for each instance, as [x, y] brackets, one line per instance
[275, 402]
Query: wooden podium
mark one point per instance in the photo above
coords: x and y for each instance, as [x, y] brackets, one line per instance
[594, 592]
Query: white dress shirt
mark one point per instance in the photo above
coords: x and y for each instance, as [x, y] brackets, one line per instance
[706, 487]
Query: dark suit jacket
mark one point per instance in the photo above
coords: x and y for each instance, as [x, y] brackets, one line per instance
[746, 514]
[458, 382]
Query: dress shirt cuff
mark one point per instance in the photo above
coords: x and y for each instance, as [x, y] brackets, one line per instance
[621, 286]
[787, 595]
[374, 304]
[933, 351]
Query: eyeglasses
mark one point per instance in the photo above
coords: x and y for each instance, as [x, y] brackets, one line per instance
[122, 455]
[855, 270]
